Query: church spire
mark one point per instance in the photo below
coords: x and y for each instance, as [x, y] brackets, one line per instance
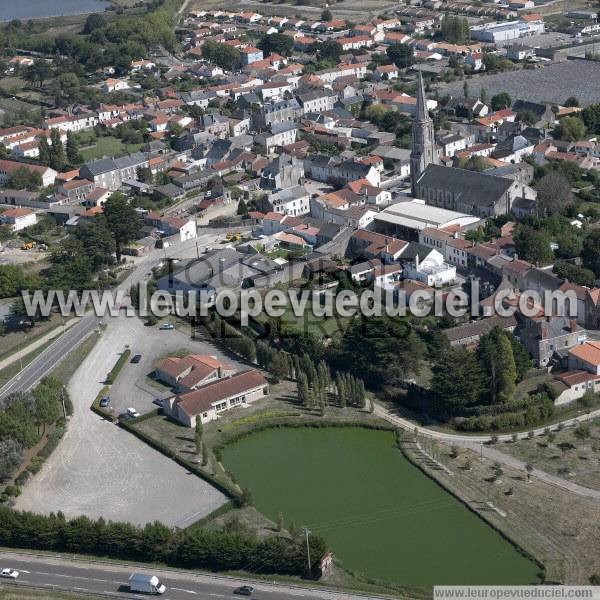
[422, 113]
[424, 151]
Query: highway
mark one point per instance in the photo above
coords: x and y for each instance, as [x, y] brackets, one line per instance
[110, 580]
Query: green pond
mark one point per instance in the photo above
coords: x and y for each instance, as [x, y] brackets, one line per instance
[378, 513]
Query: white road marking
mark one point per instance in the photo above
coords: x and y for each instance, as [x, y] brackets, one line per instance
[182, 590]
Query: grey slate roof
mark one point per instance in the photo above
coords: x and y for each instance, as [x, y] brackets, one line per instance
[476, 189]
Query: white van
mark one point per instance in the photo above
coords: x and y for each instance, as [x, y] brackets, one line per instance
[148, 584]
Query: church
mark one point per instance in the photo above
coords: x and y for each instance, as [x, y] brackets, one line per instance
[479, 194]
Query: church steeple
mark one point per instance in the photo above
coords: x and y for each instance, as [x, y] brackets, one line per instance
[423, 138]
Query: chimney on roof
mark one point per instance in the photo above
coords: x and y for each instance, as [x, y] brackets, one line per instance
[573, 324]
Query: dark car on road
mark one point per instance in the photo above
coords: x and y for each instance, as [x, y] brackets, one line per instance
[244, 590]
[136, 359]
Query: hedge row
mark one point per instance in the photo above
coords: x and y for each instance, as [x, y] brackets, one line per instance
[98, 409]
[193, 548]
[114, 373]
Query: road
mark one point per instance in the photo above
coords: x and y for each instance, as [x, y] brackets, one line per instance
[51, 356]
[111, 580]
[477, 444]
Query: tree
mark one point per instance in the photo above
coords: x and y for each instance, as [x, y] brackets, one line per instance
[382, 351]
[276, 43]
[11, 456]
[57, 151]
[47, 395]
[571, 102]
[73, 156]
[44, 150]
[144, 174]
[97, 240]
[93, 22]
[222, 55]
[71, 268]
[590, 254]
[528, 117]
[457, 378]
[533, 245]
[326, 15]
[329, 50]
[554, 193]
[122, 220]
[591, 118]
[570, 129]
[204, 454]
[500, 101]
[497, 470]
[24, 178]
[455, 29]
[575, 273]
[198, 435]
[13, 279]
[242, 208]
[497, 363]
[402, 55]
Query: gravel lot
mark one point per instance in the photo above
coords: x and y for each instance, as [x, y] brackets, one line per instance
[133, 388]
[552, 83]
[101, 470]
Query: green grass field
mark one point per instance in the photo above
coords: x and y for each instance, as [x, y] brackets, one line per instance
[106, 146]
[379, 514]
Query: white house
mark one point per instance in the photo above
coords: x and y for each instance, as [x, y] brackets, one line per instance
[114, 85]
[293, 201]
[18, 218]
[432, 271]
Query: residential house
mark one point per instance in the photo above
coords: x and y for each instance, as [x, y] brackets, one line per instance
[7, 167]
[431, 271]
[544, 336]
[18, 218]
[279, 135]
[110, 173]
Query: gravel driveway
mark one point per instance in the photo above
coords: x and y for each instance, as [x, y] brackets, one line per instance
[100, 470]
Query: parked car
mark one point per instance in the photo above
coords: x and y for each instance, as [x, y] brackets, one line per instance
[165, 326]
[9, 573]
[136, 359]
[158, 402]
[104, 402]
[244, 590]
[132, 412]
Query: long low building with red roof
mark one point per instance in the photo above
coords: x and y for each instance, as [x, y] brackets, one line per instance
[209, 401]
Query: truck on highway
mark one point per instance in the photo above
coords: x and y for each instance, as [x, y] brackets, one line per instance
[147, 584]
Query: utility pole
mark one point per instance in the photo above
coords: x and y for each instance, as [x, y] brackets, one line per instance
[306, 533]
